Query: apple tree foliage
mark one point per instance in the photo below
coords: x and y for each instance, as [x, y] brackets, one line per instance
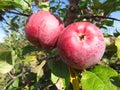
[25, 67]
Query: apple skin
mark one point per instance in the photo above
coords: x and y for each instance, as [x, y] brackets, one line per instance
[42, 29]
[81, 45]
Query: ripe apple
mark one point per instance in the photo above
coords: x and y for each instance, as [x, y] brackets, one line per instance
[81, 45]
[42, 29]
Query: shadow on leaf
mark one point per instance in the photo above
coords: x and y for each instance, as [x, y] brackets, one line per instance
[115, 80]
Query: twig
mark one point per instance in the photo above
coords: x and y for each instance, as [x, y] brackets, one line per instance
[18, 13]
[12, 80]
[55, 57]
[6, 21]
[11, 75]
[27, 3]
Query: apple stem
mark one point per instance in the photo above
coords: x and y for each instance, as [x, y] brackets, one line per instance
[74, 79]
[82, 37]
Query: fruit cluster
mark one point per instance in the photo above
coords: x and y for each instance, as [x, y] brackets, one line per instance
[80, 44]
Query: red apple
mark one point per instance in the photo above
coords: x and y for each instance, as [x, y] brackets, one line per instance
[42, 29]
[81, 45]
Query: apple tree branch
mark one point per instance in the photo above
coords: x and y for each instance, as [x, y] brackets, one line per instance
[13, 78]
[72, 11]
[96, 16]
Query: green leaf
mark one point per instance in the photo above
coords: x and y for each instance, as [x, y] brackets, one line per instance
[110, 51]
[30, 58]
[83, 4]
[26, 4]
[2, 78]
[44, 5]
[117, 43]
[60, 69]
[28, 49]
[58, 81]
[14, 85]
[38, 69]
[115, 80]
[8, 4]
[14, 25]
[6, 62]
[5, 67]
[108, 22]
[54, 78]
[98, 78]
[96, 4]
[108, 6]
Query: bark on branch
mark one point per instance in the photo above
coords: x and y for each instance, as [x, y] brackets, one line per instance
[72, 11]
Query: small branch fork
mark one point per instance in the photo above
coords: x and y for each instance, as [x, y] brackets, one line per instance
[13, 78]
[73, 13]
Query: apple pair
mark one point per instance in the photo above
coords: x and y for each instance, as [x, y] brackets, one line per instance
[80, 44]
